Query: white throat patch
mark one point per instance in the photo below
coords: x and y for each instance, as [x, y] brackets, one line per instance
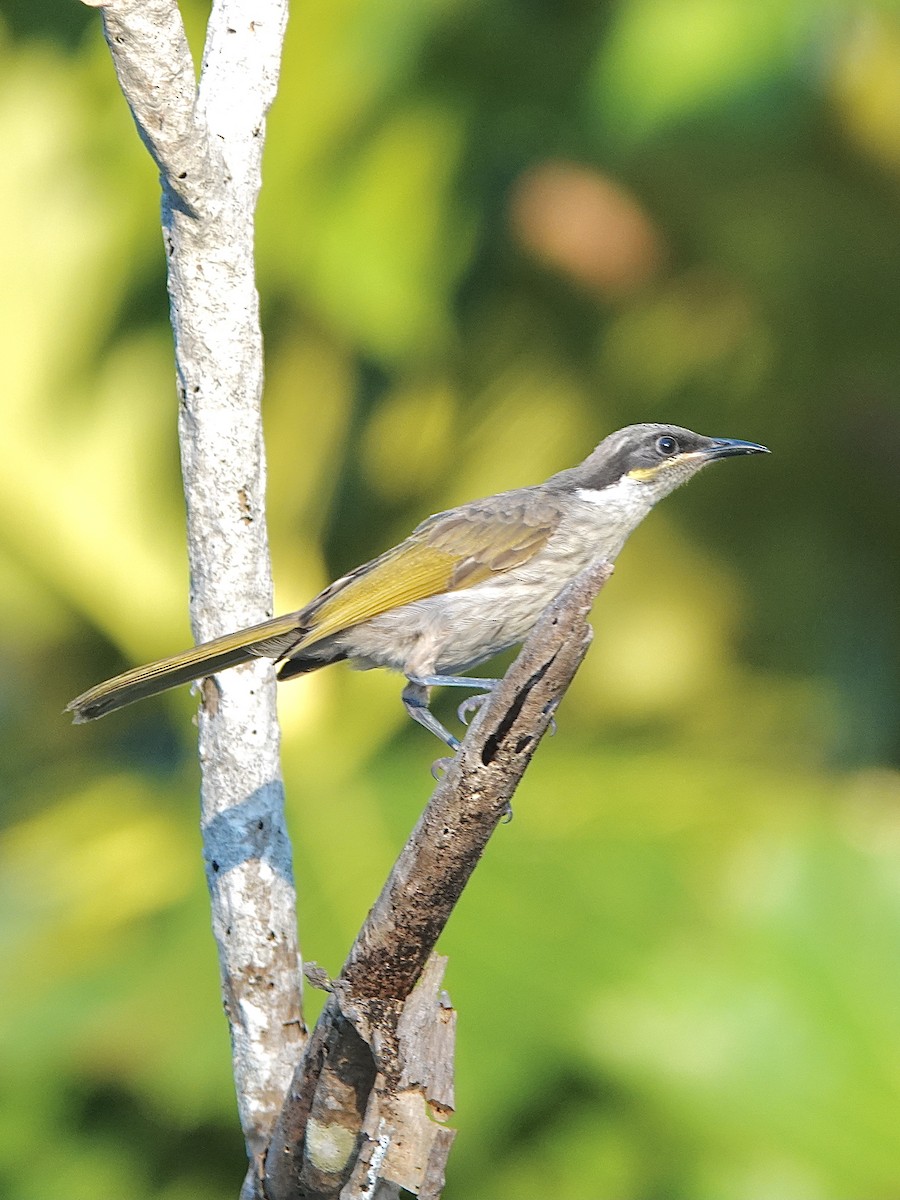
[619, 508]
[625, 494]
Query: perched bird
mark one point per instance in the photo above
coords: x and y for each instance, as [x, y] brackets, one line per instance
[466, 584]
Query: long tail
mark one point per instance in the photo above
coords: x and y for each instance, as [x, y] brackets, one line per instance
[270, 639]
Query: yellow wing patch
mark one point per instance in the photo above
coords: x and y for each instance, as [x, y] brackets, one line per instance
[410, 572]
[452, 550]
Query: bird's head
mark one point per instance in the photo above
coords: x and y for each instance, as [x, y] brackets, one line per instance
[655, 459]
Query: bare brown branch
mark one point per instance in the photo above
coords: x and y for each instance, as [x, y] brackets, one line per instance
[374, 1016]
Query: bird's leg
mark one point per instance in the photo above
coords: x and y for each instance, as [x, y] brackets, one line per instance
[471, 703]
[464, 681]
[415, 701]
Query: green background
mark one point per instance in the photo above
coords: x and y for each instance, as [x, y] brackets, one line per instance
[490, 232]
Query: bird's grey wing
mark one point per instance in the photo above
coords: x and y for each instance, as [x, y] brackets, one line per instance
[493, 535]
[451, 550]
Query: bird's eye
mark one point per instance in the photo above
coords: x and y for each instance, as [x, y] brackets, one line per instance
[667, 446]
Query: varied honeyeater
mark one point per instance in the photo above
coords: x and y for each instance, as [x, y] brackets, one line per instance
[465, 585]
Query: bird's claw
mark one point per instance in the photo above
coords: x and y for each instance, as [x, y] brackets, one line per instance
[439, 767]
[471, 704]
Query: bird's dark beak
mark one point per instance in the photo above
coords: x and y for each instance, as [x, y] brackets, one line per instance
[728, 447]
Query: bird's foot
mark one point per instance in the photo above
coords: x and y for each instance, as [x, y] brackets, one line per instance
[418, 689]
[470, 705]
[440, 767]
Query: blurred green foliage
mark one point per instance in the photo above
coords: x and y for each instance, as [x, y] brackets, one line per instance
[490, 233]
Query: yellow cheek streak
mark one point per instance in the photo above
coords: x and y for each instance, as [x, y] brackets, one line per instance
[643, 474]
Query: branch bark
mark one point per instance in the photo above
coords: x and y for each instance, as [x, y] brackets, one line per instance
[207, 142]
[365, 1108]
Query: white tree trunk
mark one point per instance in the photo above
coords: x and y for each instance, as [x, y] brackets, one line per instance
[208, 142]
